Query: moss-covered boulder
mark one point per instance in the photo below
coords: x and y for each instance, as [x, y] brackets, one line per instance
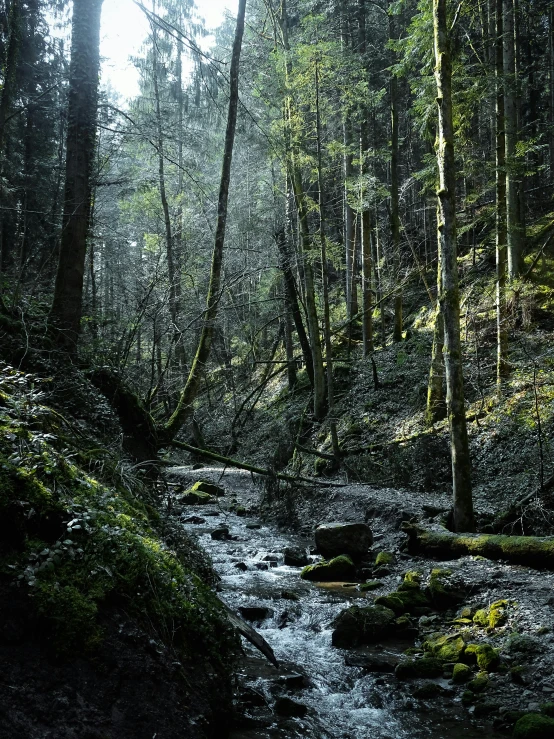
[385, 558]
[427, 691]
[194, 497]
[353, 539]
[486, 657]
[426, 667]
[479, 683]
[210, 488]
[371, 585]
[446, 647]
[461, 673]
[493, 616]
[338, 569]
[355, 625]
[534, 726]
[391, 601]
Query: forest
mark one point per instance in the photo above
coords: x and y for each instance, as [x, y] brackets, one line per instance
[277, 371]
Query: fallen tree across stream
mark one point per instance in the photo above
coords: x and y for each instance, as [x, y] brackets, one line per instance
[534, 551]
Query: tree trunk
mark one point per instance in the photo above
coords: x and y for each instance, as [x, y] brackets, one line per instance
[324, 277]
[394, 201]
[502, 367]
[450, 299]
[436, 403]
[514, 225]
[188, 395]
[81, 134]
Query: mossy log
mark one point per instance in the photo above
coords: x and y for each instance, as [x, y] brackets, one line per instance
[533, 551]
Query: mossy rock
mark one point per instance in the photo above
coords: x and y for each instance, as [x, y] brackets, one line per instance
[413, 599]
[210, 488]
[385, 558]
[498, 614]
[371, 585]
[461, 673]
[479, 683]
[486, 657]
[426, 667]
[481, 617]
[444, 593]
[356, 625]
[522, 644]
[403, 623]
[338, 569]
[193, 497]
[468, 697]
[534, 726]
[548, 709]
[391, 601]
[446, 647]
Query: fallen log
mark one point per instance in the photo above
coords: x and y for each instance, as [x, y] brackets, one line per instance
[229, 462]
[251, 635]
[534, 551]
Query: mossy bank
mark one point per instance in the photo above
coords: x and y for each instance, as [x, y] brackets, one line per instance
[108, 623]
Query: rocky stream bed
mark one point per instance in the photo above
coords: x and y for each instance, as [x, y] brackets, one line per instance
[372, 689]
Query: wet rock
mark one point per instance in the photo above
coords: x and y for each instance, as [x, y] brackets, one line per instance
[337, 569]
[295, 557]
[371, 663]
[289, 595]
[426, 667]
[333, 539]
[264, 566]
[194, 520]
[220, 534]
[445, 593]
[211, 513]
[381, 572]
[193, 497]
[295, 681]
[446, 647]
[290, 709]
[254, 526]
[250, 697]
[485, 708]
[479, 683]
[356, 625]
[271, 558]
[427, 691]
[284, 619]
[255, 613]
[242, 566]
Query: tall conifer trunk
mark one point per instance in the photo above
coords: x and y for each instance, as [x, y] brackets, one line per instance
[81, 136]
[463, 518]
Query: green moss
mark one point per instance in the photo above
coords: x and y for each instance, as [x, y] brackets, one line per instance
[461, 673]
[70, 617]
[192, 497]
[340, 569]
[479, 683]
[391, 601]
[486, 657]
[534, 726]
[371, 585]
[481, 617]
[210, 488]
[445, 647]
[548, 709]
[468, 697]
[384, 559]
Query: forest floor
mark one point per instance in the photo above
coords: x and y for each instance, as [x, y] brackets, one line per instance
[521, 683]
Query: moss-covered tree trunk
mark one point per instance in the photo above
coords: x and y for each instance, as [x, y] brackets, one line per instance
[84, 72]
[367, 265]
[463, 518]
[436, 402]
[394, 199]
[184, 407]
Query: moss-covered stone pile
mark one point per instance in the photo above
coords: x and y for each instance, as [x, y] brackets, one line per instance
[80, 540]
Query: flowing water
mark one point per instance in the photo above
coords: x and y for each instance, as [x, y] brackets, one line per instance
[345, 702]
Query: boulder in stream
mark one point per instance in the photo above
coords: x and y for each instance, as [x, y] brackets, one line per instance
[355, 625]
[291, 709]
[295, 557]
[220, 534]
[210, 488]
[255, 613]
[335, 570]
[353, 539]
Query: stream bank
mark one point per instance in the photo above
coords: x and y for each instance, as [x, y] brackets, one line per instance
[329, 692]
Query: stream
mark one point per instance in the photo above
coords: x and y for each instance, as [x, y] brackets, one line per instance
[343, 702]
